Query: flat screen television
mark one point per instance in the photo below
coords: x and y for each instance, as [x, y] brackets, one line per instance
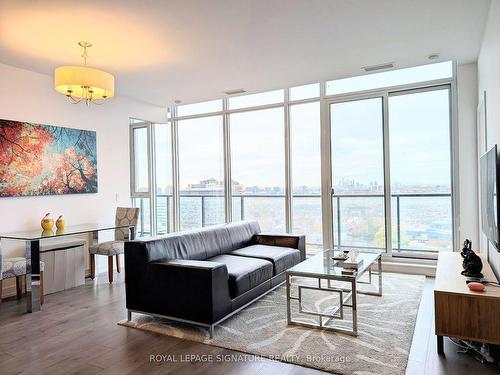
[489, 175]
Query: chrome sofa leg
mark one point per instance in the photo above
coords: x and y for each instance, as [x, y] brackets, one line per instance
[211, 329]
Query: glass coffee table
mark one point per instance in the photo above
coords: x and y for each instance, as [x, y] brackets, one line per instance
[312, 282]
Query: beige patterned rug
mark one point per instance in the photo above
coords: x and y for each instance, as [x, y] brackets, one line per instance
[385, 330]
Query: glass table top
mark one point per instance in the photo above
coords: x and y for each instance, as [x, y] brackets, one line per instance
[38, 234]
[323, 264]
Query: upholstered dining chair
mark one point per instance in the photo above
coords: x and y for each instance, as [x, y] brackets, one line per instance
[124, 216]
[16, 267]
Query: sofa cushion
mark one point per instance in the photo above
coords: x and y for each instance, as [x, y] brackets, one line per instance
[215, 240]
[241, 233]
[244, 273]
[282, 258]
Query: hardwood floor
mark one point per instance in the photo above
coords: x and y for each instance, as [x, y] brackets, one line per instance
[76, 332]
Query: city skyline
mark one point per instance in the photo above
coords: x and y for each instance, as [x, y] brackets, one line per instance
[352, 184]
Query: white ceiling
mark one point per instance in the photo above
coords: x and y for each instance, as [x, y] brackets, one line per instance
[194, 50]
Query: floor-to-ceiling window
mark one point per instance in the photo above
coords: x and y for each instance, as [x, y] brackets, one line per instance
[258, 167]
[360, 162]
[201, 172]
[163, 177]
[357, 153]
[419, 129]
[305, 146]
[390, 158]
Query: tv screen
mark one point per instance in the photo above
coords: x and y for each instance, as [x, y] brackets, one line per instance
[489, 195]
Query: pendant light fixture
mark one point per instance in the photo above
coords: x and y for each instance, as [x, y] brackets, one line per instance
[82, 83]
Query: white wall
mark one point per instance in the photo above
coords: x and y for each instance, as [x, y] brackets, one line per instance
[489, 81]
[467, 104]
[29, 96]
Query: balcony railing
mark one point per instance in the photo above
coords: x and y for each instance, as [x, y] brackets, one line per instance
[241, 208]
[397, 228]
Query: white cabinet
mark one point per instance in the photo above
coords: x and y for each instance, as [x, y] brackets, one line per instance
[64, 265]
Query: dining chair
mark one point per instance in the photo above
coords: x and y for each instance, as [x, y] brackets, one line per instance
[16, 267]
[124, 216]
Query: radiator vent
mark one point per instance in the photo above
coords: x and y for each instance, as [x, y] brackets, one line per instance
[374, 68]
[234, 92]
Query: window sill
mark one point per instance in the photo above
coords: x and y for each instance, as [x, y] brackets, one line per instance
[427, 268]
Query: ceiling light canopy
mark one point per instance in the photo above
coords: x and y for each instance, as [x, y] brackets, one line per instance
[82, 83]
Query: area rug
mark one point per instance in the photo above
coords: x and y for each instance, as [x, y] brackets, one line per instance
[385, 330]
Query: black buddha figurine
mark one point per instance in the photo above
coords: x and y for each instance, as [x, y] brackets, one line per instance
[472, 263]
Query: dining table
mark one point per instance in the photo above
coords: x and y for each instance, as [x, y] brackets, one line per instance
[32, 239]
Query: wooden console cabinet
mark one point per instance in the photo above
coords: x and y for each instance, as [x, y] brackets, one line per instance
[462, 313]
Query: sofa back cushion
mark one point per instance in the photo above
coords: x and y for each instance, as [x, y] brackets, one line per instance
[202, 243]
[175, 246]
[241, 234]
[215, 240]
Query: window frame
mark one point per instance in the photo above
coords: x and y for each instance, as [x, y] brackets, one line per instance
[324, 101]
[154, 192]
[141, 124]
[450, 84]
[133, 127]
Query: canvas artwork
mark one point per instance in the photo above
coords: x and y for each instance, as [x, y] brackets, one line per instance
[46, 160]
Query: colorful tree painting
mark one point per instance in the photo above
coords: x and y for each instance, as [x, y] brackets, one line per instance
[46, 160]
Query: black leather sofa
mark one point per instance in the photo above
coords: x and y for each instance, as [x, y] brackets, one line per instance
[204, 276]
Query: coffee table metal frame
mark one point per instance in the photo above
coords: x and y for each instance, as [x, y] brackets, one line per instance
[345, 294]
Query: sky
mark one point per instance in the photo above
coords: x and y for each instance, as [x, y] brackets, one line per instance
[418, 132]
[201, 148]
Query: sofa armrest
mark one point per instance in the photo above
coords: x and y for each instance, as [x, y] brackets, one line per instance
[193, 290]
[295, 241]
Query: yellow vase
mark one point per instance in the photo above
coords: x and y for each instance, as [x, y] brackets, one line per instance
[47, 222]
[47, 233]
[60, 222]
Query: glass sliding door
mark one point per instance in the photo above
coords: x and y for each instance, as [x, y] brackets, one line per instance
[357, 159]
[305, 145]
[420, 149]
[258, 167]
[201, 172]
